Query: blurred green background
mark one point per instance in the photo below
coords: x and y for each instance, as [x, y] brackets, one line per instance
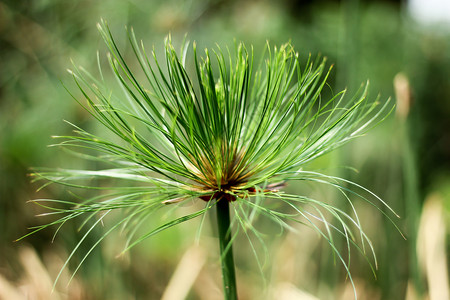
[405, 160]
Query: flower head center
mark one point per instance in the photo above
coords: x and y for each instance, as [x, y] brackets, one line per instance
[222, 174]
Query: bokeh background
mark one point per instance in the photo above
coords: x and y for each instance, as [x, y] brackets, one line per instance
[403, 47]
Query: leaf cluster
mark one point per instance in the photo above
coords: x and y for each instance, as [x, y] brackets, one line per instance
[225, 130]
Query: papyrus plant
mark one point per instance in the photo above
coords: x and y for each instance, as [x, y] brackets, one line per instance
[225, 132]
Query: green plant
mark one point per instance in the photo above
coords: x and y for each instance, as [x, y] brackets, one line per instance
[234, 139]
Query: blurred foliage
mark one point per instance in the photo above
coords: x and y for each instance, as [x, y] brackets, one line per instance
[366, 39]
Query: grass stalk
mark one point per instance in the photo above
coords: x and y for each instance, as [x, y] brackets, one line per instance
[226, 249]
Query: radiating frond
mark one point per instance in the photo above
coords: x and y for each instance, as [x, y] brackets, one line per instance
[223, 130]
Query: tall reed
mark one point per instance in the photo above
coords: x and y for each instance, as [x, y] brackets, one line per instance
[226, 133]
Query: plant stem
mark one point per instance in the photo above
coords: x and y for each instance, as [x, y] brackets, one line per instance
[226, 250]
